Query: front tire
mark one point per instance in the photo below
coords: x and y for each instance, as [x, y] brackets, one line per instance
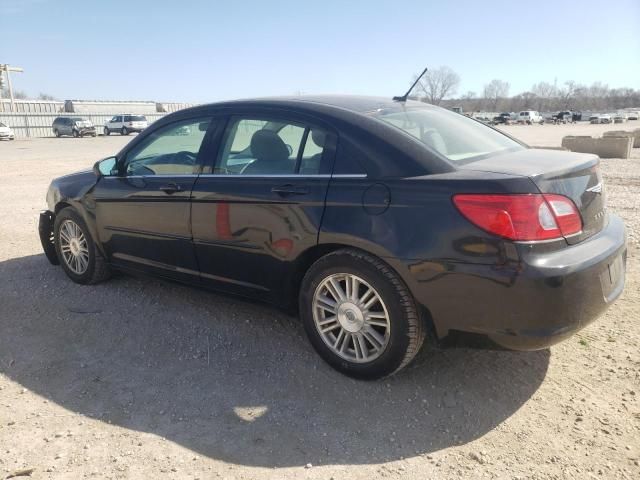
[56, 133]
[359, 315]
[80, 259]
[76, 134]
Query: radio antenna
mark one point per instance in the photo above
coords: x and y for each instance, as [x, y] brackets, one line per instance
[406, 95]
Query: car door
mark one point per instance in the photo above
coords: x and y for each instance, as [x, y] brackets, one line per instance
[143, 213]
[262, 203]
[66, 126]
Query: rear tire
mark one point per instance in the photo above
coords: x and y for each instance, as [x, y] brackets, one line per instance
[124, 131]
[76, 134]
[80, 259]
[56, 133]
[342, 334]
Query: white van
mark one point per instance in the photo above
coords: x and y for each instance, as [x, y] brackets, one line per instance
[529, 117]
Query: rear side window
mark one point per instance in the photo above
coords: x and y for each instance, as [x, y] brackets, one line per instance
[454, 136]
[271, 147]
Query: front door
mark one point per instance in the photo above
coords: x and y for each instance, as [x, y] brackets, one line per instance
[263, 203]
[143, 214]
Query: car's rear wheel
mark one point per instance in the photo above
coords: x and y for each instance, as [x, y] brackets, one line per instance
[76, 134]
[359, 315]
[124, 131]
[78, 255]
[107, 132]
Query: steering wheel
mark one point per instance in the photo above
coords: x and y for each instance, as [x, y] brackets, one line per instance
[184, 157]
[140, 169]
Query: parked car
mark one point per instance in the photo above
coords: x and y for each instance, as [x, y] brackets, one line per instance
[620, 117]
[73, 126]
[594, 118]
[530, 117]
[384, 224]
[503, 118]
[606, 118]
[6, 133]
[633, 115]
[125, 124]
[564, 117]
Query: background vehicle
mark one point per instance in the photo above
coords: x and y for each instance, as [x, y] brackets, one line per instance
[304, 188]
[6, 133]
[125, 124]
[73, 126]
[620, 117]
[530, 117]
[503, 118]
[633, 115]
[563, 117]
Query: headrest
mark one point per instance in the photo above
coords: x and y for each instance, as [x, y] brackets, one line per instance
[267, 145]
[319, 137]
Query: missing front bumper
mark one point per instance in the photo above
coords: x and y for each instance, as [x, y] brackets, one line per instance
[45, 229]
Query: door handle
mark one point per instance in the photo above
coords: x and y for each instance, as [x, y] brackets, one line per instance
[171, 188]
[289, 189]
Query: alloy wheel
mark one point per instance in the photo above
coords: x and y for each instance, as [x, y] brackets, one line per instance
[74, 247]
[351, 318]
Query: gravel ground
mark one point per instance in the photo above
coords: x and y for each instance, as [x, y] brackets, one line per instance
[136, 378]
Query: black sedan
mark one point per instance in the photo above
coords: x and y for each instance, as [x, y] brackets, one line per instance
[382, 223]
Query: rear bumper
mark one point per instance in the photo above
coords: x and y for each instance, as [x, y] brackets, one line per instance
[540, 300]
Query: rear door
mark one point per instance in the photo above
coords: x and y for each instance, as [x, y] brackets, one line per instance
[262, 203]
[143, 214]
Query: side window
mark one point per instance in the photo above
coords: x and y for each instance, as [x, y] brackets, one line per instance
[170, 150]
[271, 147]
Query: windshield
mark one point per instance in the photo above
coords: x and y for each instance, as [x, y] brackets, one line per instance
[455, 136]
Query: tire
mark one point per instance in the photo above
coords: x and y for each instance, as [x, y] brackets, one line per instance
[405, 331]
[96, 269]
[76, 134]
[107, 132]
[56, 133]
[124, 131]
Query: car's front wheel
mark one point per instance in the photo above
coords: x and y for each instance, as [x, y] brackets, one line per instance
[359, 315]
[76, 134]
[107, 132]
[81, 260]
[56, 133]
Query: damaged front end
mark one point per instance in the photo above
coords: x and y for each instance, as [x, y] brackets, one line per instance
[45, 229]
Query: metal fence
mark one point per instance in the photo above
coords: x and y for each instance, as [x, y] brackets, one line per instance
[32, 124]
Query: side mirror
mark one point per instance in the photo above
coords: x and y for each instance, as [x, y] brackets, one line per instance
[106, 167]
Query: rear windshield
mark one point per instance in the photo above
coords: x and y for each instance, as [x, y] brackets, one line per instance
[458, 138]
[135, 118]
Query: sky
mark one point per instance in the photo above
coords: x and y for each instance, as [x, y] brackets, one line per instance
[199, 51]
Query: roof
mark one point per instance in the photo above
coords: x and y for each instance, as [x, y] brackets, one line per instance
[354, 103]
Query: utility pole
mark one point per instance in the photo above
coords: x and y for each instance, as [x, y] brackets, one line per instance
[6, 68]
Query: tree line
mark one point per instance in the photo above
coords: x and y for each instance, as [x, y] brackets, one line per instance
[440, 87]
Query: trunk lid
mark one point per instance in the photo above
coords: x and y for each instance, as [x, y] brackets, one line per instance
[574, 175]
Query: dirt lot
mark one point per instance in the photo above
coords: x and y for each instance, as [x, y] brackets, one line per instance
[136, 378]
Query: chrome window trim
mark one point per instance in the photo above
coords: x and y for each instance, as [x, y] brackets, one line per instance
[223, 175]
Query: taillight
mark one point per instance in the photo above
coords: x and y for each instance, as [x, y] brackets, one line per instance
[524, 217]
